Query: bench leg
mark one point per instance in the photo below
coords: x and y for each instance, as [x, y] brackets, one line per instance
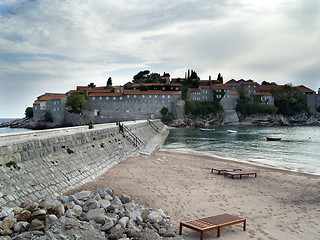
[180, 229]
[218, 232]
[244, 226]
[201, 235]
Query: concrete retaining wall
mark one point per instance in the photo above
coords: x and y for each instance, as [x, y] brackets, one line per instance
[51, 162]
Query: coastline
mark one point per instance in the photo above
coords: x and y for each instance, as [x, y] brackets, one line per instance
[182, 185]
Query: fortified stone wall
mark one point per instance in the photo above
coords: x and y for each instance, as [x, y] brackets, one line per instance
[45, 164]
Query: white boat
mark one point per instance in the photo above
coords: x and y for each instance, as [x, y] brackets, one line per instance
[231, 131]
[207, 129]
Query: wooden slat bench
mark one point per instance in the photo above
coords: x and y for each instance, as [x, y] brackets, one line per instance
[240, 173]
[219, 170]
[203, 225]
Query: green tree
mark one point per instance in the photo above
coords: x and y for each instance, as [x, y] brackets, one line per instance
[77, 102]
[164, 111]
[91, 85]
[109, 82]
[289, 101]
[220, 78]
[29, 112]
[47, 117]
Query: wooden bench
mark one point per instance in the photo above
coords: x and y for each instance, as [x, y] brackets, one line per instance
[239, 173]
[203, 225]
[219, 170]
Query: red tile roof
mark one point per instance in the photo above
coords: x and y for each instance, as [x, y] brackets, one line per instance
[234, 93]
[105, 94]
[262, 94]
[304, 89]
[151, 92]
[194, 90]
[156, 84]
[220, 86]
[270, 87]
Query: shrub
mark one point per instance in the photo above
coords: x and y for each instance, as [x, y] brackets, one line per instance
[202, 109]
[29, 112]
[246, 108]
[69, 151]
[47, 117]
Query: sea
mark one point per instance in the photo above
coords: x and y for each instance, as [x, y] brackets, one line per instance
[7, 130]
[298, 150]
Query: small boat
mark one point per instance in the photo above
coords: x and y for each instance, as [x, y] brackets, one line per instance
[207, 129]
[231, 131]
[273, 138]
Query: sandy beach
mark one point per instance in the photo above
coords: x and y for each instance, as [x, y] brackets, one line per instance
[277, 204]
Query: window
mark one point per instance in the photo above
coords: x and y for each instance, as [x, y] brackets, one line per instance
[150, 96]
[168, 96]
[218, 96]
[114, 98]
[163, 88]
[93, 98]
[163, 96]
[218, 90]
[177, 88]
[142, 96]
[100, 98]
[128, 96]
[134, 96]
[107, 98]
[204, 97]
[226, 90]
[120, 98]
[155, 96]
[205, 91]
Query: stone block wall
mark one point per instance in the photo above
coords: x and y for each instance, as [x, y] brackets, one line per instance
[45, 165]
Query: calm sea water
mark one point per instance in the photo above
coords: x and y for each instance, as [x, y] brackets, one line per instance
[7, 130]
[298, 150]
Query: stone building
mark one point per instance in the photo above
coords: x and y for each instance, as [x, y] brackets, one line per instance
[52, 104]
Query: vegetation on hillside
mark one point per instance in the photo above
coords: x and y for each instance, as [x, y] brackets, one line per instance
[77, 102]
[202, 109]
[289, 101]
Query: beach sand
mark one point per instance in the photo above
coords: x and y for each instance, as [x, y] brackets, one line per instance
[277, 204]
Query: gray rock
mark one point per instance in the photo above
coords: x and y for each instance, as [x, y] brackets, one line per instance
[35, 224]
[108, 224]
[59, 210]
[116, 232]
[84, 195]
[125, 198]
[25, 215]
[74, 212]
[90, 204]
[97, 215]
[50, 219]
[75, 200]
[7, 223]
[20, 226]
[64, 199]
[39, 214]
[109, 191]
[123, 221]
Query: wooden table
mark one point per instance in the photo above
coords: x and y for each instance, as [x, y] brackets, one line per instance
[203, 225]
[239, 173]
[219, 170]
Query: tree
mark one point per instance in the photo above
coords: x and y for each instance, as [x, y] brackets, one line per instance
[29, 112]
[77, 102]
[220, 78]
[91, 85]
[109, 83]
[47, 117]
[141, 76]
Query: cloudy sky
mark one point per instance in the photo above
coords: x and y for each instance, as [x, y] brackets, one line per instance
[55, 45]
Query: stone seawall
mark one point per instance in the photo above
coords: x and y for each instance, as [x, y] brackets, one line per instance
[45, 164]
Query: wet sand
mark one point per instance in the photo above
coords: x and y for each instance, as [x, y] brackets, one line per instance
[277, 204]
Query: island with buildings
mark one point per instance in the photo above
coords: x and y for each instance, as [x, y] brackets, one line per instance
[148, 94]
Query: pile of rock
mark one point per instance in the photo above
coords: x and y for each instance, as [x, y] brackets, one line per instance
[85, 215]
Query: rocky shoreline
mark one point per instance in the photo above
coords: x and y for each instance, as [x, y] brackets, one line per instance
[253, 120]
[212, 121]
[85, 215]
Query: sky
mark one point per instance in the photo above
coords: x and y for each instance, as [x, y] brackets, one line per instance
[56, 45]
